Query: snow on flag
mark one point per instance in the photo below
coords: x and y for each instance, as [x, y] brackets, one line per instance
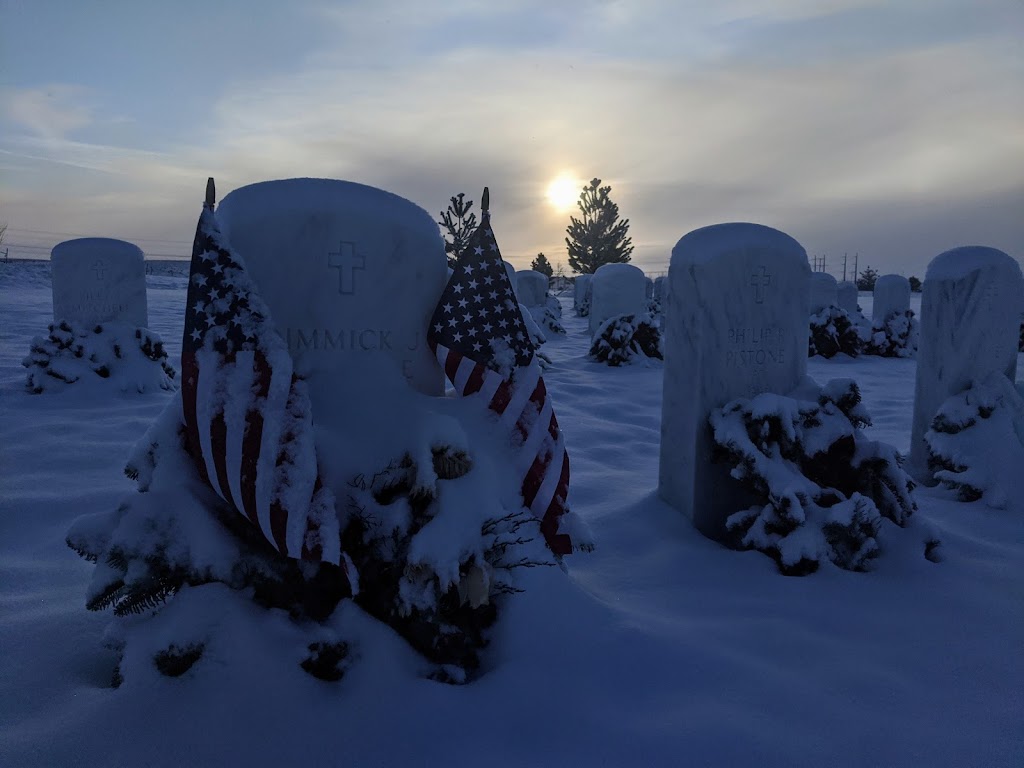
[481, 341]
[248, 422]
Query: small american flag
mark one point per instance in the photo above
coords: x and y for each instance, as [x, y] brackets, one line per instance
[478, 335]
[248, 422]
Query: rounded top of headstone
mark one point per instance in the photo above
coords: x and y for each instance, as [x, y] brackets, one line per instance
[617, 271]
[960, 262]
[824, 279]
[886, 282]
[847, 285]
[305, 195]
[89, 247]
[707, 243]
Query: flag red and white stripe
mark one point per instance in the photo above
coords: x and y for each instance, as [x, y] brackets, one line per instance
[481, 342]
[247, 417]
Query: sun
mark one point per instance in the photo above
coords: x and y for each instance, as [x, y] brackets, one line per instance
[563, 192]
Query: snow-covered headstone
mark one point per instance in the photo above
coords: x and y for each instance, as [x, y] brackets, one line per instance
[824, 291]
[531, 288]
[971, 306]
[616, 289]
[848, 297]
[891, 295]
[98, 280]
[579, 291]
[659, 289]
[737, 299]
[511, 272]
[352, 275]
[648, 287]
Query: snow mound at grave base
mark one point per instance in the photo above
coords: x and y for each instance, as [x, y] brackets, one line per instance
[434, 539]
[825, 492]
[111, 355]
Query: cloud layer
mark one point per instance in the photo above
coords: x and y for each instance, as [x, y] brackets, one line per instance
[849, 124]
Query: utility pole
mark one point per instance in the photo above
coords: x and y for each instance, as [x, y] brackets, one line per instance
[844, 266]
[856, 266]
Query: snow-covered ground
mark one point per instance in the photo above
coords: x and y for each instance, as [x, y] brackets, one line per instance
[661, 648]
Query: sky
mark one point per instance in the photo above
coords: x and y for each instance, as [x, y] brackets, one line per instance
[890, 129]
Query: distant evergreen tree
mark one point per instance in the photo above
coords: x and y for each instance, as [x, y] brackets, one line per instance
[867, 279]
[915, 284]
[599, 237]
[459, 224]
[542, 265]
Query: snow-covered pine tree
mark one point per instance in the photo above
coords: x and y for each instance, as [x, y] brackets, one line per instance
[459, 223]
[598, 237]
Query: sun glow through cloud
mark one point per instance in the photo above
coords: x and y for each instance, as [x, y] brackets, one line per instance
[563, 192]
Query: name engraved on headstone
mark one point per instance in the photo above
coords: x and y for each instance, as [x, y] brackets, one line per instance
[355, 340]
[755, 346]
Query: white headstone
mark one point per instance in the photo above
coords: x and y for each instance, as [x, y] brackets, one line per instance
[891, 294]
[531, 288]
[98, 280]
[511, 272]
[648, 287]
[659, 289]
[616, 289]
[738, 303]
[352, 275]
[971, 306]
[579, 291]
[824, 291]
[848, 296]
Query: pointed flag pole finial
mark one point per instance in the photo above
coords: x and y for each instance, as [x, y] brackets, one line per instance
[485, 203]
[211, 193]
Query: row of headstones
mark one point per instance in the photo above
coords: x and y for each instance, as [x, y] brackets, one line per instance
[738, 301]
[890, 294]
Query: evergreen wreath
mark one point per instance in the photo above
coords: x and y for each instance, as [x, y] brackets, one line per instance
[832, 332]
[823, 490]
[976, 441]
[175, 534]
[133, 357]
[624, 338]
[896, 336]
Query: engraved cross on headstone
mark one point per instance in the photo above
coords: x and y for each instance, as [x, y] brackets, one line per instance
[346, 261]
[760, 282]
[100, 269]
